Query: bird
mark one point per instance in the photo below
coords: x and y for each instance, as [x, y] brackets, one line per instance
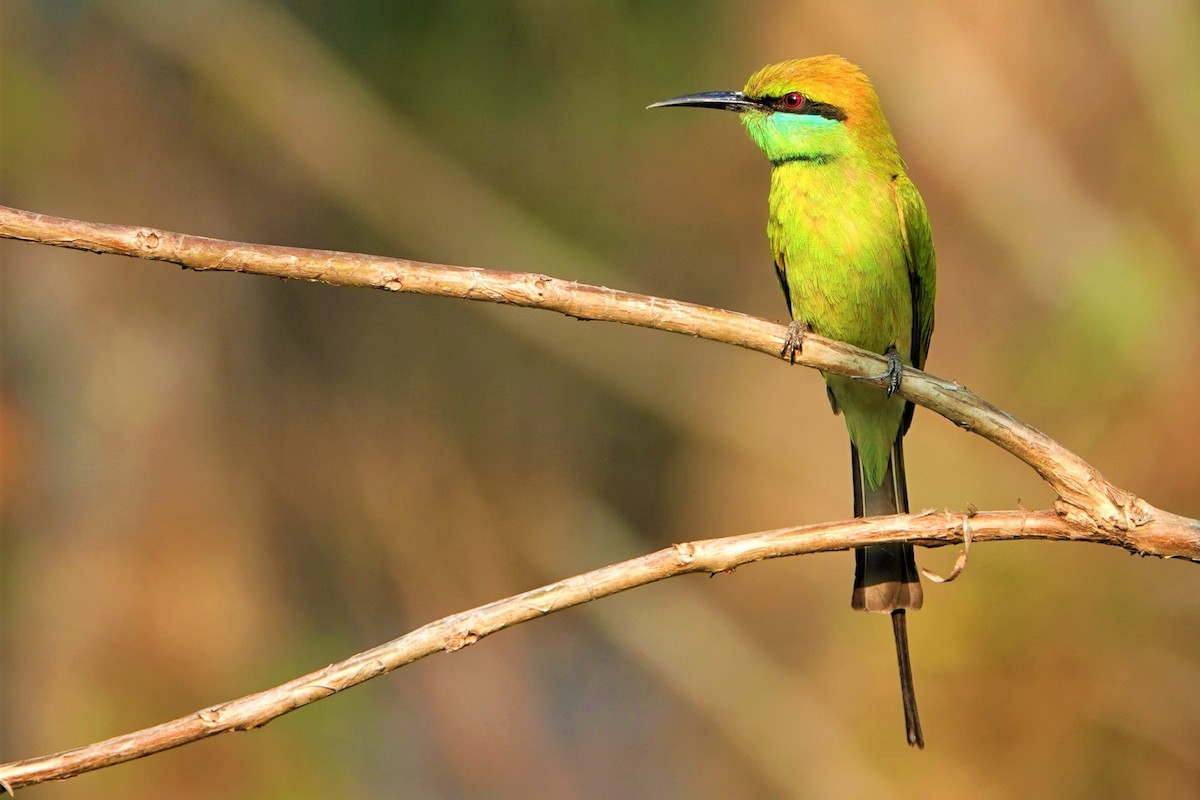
[853, 251]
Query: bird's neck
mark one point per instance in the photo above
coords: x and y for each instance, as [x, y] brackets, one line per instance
[801, 141]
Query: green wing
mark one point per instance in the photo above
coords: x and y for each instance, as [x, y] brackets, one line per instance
[922, 271]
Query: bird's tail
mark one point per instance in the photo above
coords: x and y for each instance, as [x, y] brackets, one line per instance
[885, 575]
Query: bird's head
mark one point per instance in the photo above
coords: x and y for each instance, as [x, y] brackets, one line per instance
[812, 109]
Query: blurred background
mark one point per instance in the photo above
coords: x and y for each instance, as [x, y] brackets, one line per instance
[212, 483]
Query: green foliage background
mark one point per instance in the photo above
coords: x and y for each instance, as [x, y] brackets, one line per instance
[212, 483]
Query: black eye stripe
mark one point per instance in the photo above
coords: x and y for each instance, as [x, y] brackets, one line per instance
[809, 106]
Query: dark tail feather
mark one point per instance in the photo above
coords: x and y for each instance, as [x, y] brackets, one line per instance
[908, 694]
[885, 576]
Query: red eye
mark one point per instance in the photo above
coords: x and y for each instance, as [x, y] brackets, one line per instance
[793, 100]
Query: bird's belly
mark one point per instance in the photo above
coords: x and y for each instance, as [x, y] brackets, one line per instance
[853, 302]
[840, 294]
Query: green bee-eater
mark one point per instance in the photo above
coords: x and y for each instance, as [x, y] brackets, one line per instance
[854, 255]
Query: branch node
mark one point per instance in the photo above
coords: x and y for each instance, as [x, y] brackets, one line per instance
[210, 716]
[460, 639]
[685, 553]
[147, 239]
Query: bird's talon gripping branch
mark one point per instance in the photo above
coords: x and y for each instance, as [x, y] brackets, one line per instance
[793, 343]
[893, 373]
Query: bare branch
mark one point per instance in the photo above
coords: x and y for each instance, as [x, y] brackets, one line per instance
[1084, 494]
[455, 632]
[1089, 507]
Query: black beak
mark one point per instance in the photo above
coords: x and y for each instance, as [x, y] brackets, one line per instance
[727, 101]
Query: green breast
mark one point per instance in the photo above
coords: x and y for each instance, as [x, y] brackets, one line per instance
[835, 233]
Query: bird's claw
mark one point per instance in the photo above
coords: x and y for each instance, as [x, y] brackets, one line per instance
[793, 343]
[895, 370]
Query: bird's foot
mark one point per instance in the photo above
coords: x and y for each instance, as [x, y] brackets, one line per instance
[893, 374]
[793, 343]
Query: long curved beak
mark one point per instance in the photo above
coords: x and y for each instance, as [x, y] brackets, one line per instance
[726, 101]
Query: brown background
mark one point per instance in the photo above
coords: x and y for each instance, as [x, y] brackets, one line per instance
[212, 483]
